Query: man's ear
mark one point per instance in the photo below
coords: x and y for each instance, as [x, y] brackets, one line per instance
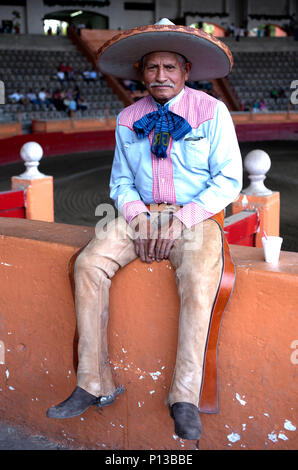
[187, 69]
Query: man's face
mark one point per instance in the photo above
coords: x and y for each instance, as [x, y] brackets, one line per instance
[164, 75]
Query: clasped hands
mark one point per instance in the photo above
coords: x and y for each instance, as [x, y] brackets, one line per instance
[155, 236]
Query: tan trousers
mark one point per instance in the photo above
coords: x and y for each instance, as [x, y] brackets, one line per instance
[197, 260]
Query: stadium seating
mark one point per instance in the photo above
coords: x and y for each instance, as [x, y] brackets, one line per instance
[35, 69]
[256, 74]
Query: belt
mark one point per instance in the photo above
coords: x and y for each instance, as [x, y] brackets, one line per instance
[219, 217]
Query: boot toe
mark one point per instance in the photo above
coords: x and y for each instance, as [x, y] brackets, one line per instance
[78, 402]
[187, 420]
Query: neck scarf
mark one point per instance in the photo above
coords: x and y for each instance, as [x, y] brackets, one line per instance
[166, 124]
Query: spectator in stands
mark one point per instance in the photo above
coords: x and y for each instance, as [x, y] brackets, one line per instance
[62, 67]
[49, 31]
[45, 97]
[237, 34]
[16, 28]
[76, 93]
[57, 100]
[17, 97]
[90, 75]
[32, 97]
[256, 107]
[263, 106]
[71, 107]
[231, 29]
[93, 75]
[61, 76]
[82, 104]
[274, 94]
[69, 72]
[86, 75]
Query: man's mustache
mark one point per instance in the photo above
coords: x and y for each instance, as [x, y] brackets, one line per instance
[154, 84]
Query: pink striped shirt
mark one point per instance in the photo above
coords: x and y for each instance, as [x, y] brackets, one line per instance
[196, 107]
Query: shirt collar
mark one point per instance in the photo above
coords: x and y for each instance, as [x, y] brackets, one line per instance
[173, 100]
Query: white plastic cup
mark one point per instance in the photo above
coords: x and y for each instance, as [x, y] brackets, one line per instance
[272, 246]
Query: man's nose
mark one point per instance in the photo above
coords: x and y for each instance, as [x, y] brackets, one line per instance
[160, 75]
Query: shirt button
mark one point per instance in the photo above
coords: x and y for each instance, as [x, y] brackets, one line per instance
[162, 180]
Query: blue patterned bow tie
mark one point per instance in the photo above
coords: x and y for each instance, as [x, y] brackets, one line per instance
[166, 124]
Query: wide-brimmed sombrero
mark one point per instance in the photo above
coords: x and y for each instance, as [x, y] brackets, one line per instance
[209, 56]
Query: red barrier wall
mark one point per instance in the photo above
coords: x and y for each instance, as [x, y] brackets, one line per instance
[267, 131]
[58, 143]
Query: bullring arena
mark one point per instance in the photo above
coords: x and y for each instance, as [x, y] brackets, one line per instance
[58, 115]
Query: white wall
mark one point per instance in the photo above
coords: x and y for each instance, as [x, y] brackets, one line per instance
[31, 17]
[204, 6]
[35, 13]
[126, 19]
[118, 17]
[267, 7]
[167, 9]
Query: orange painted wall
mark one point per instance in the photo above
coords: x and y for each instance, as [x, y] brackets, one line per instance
[39, 197]
[257, 359]
[268, 208]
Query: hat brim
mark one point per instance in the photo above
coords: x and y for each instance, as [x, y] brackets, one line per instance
[209, 56]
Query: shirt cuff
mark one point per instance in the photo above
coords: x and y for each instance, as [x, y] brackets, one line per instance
[132, 209]
[192, 213]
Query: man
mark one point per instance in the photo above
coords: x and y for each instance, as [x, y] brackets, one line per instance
[176, 149]
[17, 97]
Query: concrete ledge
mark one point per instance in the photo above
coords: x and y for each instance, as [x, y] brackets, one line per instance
[256, 354]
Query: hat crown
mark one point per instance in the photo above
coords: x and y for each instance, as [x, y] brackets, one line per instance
[165, 21]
